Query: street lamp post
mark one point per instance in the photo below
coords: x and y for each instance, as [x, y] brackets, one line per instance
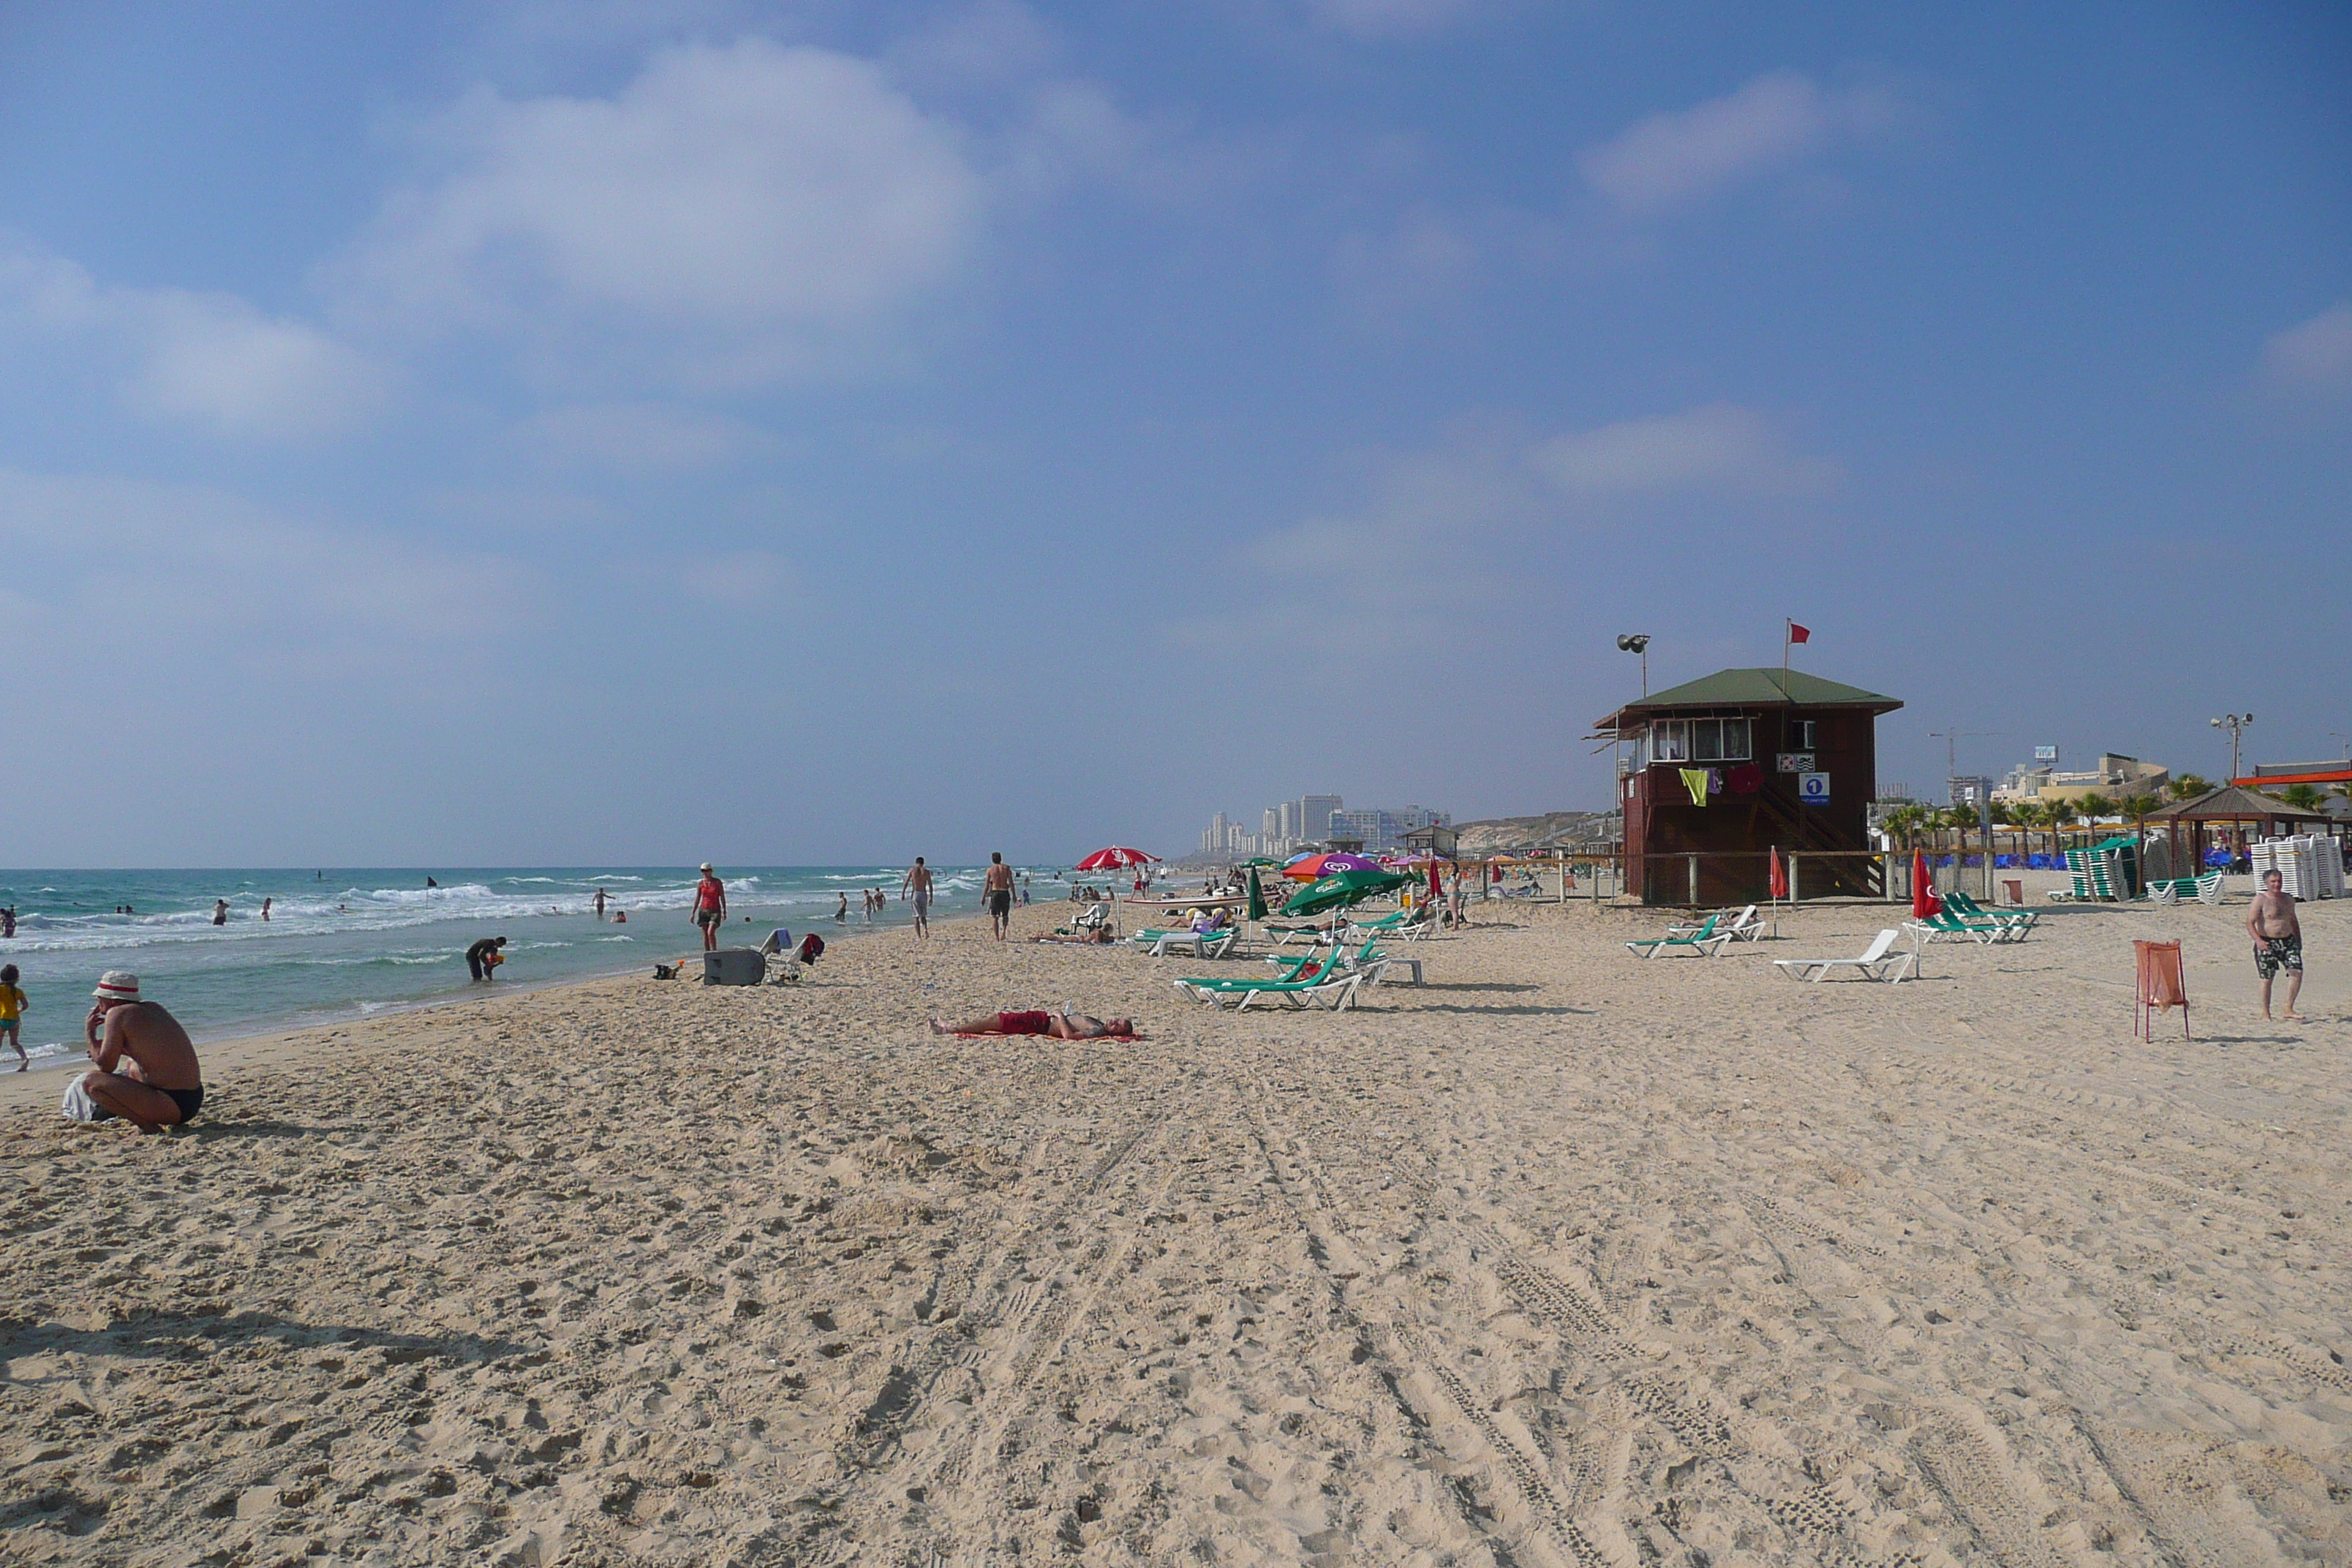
[2234, 723]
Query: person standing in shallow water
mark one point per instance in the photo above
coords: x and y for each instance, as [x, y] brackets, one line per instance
[600, 903]
[220, 912]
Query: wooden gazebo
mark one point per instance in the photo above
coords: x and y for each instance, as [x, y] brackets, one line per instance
[2231, 807]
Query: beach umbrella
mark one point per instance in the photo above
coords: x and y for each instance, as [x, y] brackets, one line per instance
[1257, 860]
[1925, 904]
[1340, 889]
[1315, 866]
[1436, 889]
[1780, 876]
[1116, 858]
[1256, 897]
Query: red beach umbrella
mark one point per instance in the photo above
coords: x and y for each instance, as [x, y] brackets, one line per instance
[1116, 858]
[1780, 876]
[1925, 904]
[1436, 890]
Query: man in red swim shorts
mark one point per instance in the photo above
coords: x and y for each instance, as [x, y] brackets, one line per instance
[1060, 1025]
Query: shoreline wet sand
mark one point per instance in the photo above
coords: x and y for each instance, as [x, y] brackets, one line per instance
[1563, 1258]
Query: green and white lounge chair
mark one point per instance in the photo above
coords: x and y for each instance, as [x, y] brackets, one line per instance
[1328, 983]
[1949, 926]
[1200, 945]
[1705, 941]
[1745, 926]
[1879, 962]
[1967, 909]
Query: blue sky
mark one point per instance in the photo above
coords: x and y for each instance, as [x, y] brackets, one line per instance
[630, 432]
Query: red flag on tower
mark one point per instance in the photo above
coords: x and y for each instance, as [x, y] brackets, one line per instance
[1798, 634]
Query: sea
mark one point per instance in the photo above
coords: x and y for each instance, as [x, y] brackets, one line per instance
[344, 945]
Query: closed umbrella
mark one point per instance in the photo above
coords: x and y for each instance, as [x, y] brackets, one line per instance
[1925, 904]
[1256, 897]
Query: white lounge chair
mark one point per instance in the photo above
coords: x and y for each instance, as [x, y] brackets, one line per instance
[1879, 962]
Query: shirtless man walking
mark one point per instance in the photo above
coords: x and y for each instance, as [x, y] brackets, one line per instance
[917, 885]
[2278, 941]
[997, 893]
[162, 1084]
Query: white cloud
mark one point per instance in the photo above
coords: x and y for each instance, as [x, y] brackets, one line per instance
[1450, 524]
[747, 213]
[1370, 19]
[2313, 355]
[1426, 263]
[1671, 159]
[992, 44]
[138, 582]
[208, 359]
[740, 579]
[636, 437]
[1719, 447]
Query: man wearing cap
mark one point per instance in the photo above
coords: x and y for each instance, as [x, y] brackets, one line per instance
[710, 906]
[162, 1084]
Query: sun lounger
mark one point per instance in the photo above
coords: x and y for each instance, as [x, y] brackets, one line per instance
[1405, 925]
[1967, 909]
[1200, 945]
[1745, 926]
[1879, 962]
[1705, 941]
[1951, 927]
[1093, 916]
[1328, 983]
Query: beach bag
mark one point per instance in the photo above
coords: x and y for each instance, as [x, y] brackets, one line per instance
[812, 948]
[78, 1105]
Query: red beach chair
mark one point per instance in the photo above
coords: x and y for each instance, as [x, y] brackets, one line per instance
[2161, 986]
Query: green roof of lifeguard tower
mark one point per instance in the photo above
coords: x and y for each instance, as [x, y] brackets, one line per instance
[1751, 687]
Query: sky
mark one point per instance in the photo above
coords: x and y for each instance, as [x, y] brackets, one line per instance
[624, 431]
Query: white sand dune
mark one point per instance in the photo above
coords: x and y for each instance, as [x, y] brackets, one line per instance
[1564, 1258]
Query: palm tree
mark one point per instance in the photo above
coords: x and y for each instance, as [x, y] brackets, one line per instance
[2095, 806]
[2027, 814]
[1903, 823]
[2189, 785]
[2058, 814]
[2303, 797]
[2137, 807]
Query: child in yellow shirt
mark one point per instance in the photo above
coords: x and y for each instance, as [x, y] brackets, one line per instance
[12, 1013]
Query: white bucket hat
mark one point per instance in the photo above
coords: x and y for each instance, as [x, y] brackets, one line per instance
[117, 985]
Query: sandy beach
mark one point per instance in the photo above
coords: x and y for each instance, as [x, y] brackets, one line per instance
[1563, 1258]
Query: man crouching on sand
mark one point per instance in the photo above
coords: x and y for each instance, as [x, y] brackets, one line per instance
[162, 1086]
[1060, 1025]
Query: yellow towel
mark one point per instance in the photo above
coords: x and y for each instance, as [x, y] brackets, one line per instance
[1694, 780]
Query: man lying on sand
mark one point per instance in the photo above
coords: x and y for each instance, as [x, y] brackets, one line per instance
[1092, 936]
[1060, 1025]
[163, 1086]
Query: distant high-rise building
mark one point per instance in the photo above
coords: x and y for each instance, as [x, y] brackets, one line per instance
[1270, 826]
[1314, 814]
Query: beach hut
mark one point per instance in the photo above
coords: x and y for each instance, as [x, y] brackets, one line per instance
[1717, 773]
[2228, 819]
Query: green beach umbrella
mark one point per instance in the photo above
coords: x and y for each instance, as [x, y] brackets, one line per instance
[1257, 860]
[1257, 898]
[1340, 889]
